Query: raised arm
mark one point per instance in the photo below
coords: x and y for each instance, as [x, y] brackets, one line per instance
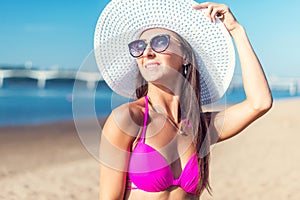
[258, 100]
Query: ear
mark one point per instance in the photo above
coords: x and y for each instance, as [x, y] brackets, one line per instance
[185, 60]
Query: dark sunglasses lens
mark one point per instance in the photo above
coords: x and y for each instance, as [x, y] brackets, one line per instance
[136, 48]
[160, 43]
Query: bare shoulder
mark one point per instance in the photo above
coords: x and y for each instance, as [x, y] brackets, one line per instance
[118, 134]
[127, 118]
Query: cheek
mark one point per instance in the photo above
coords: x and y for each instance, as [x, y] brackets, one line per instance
[139, 62]
[176, 62]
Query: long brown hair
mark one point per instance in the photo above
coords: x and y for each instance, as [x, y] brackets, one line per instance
[192, 80]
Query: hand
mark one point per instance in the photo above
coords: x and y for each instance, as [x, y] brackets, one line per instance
[220, 11]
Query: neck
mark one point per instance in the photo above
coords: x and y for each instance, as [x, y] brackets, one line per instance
[164, 101]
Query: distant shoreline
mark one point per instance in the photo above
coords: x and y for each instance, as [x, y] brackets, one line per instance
[94, 77]
[24, 103]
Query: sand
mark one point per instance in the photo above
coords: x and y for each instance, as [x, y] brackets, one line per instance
[49, 161]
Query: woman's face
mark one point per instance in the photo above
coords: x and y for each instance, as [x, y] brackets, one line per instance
[157, 67]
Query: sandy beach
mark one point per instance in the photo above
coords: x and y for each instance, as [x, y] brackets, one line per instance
[49, 161]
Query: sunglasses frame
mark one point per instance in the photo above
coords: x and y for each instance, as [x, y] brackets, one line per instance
[145, 44]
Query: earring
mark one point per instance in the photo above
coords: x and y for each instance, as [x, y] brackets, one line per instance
[185, 69]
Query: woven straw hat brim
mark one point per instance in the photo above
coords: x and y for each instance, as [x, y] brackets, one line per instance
[122, 21]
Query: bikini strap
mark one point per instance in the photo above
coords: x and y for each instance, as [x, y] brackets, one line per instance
[145, 119]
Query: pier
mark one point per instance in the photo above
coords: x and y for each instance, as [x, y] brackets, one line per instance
[290, 84]
[42, 76]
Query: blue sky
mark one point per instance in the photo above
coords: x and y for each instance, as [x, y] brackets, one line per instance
[59, 33]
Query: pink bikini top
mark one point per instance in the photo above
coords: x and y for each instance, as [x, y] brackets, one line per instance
[149, 170]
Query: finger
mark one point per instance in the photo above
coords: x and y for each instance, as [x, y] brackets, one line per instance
[209, 12]
[215, 12]
[201, 5]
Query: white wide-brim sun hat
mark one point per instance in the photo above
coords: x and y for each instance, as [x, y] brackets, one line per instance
[123, 21]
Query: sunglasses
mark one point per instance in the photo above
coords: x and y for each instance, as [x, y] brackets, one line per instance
[158, 44]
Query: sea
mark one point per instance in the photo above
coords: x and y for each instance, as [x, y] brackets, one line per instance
[22, 102]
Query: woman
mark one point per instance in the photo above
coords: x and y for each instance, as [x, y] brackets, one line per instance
[157, 146]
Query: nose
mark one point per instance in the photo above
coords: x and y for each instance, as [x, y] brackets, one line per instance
[149, 52]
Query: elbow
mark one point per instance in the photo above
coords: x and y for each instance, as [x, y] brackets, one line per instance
[260, 103]
[267, 106]
[263, 105]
